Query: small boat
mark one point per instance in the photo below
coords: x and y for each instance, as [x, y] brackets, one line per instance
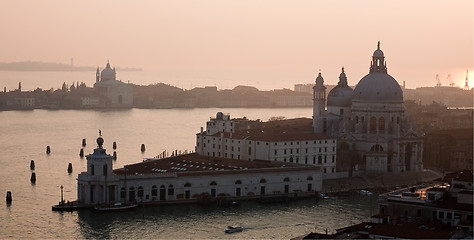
[323, 196]
[119, 206]
[68, 206]
[233, 229]
[365, 192]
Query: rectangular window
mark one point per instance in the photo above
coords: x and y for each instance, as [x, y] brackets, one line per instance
[92, 193]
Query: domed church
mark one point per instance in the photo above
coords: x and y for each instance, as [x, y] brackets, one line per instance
[373, 134]
[114, 93]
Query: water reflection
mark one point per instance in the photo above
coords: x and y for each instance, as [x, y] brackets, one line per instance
[209, 221]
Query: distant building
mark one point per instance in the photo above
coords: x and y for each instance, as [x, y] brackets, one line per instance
[306, 88]
[25, 101]
[90, 101]
[117, 93]
[369, 122]
[287, 141]
[450, 150]
[288, 98]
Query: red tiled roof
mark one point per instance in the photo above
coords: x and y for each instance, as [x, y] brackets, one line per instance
[276, 131]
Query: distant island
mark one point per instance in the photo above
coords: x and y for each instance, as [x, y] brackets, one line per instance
[50, 67]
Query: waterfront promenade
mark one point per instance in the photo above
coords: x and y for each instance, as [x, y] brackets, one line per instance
[388, 180]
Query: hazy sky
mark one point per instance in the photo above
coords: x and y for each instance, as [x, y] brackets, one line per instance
[267, 44]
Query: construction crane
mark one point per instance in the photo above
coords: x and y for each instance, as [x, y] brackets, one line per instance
[438, 82]
[450, 80]
[466, 84]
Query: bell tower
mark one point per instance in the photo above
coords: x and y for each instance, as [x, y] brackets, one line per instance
[97, 75]
[319, 104]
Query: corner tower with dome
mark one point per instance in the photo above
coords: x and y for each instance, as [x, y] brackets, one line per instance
[373, 134]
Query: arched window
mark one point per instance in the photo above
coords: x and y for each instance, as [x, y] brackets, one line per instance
[213, 183]
[238, 182]
[381, 123]
[310, 178]
[154, 191]
[263, 180]
[286, 180]
[376, 148]
[140, 191]
[373, 124]
[170, 190]
[187, 184]
[92, 169]
[357, 119]
[320, 159]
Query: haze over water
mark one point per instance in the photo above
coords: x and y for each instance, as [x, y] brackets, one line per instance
[25, 135]
[267, 43]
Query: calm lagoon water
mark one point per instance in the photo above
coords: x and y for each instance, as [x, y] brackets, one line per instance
[25, 135]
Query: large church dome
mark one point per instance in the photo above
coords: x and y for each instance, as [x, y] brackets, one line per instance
[107, 73]
[378, 86]
[341, 95]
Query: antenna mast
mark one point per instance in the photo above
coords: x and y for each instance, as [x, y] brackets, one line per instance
[466, 84]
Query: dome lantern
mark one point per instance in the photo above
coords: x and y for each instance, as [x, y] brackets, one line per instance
[342, 78]
[378, 63]
[378, 86]
[341, 95]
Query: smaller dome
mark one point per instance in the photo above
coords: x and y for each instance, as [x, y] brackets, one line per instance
[378, 53]
[340, 96]
[100, 142]
[342, 75]
[319, 79]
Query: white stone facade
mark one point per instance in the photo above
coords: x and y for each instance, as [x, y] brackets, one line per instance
[222, 140]
[179, 178]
